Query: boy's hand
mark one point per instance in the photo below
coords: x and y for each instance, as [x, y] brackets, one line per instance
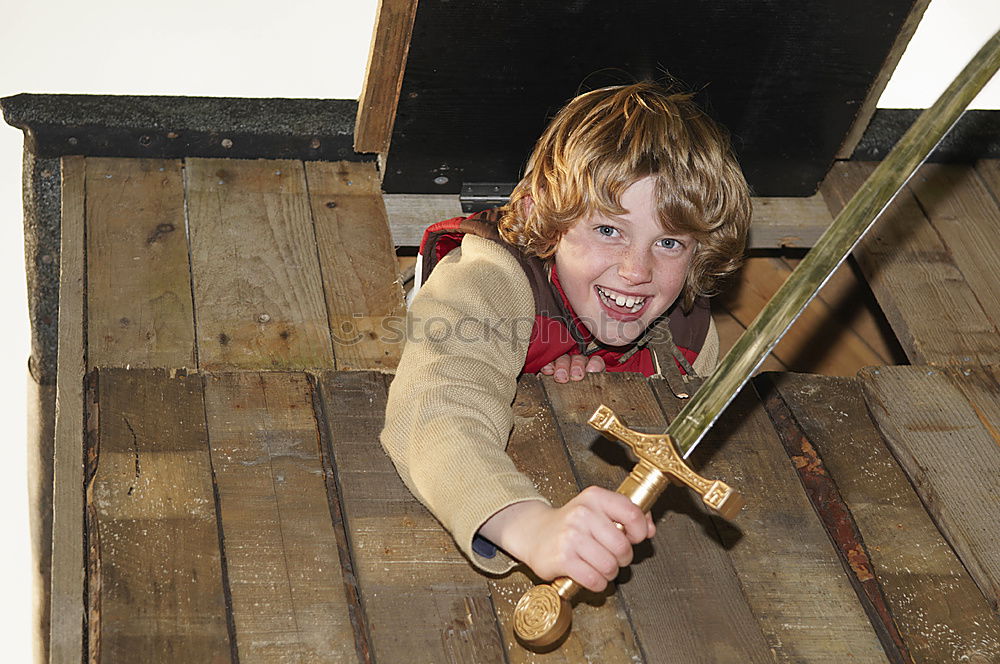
[573, 367]
[578, 540]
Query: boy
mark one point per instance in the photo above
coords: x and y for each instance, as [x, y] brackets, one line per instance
[631, 210]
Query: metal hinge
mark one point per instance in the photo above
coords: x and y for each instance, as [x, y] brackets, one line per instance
[478, 196]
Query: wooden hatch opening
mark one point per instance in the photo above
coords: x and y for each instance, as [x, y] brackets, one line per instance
[217, 322]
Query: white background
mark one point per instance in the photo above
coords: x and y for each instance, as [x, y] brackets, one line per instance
[248, 48]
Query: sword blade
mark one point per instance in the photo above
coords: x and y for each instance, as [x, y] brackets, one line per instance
[840, 238]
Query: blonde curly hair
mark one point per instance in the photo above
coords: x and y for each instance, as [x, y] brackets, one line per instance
[605, 140]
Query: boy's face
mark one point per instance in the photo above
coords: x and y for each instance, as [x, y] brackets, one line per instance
[621, 273]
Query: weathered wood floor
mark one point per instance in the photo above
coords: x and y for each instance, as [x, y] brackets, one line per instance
[223, 372]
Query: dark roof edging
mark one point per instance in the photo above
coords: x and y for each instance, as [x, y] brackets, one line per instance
[176, 127]
[975, 136]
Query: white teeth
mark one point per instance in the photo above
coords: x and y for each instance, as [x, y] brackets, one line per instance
[631, 302]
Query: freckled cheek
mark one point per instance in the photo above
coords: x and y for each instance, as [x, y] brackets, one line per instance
[670, 277]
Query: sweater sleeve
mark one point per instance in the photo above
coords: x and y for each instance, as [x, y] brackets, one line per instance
[448, 416]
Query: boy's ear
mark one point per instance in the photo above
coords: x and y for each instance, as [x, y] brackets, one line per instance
[527, 206]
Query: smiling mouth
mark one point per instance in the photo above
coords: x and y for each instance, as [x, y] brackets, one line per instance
[619, 302]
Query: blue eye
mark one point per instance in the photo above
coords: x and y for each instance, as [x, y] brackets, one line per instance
[669, 243]
[607, 231]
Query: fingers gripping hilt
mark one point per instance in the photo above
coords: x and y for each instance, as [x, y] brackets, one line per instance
[544, 613]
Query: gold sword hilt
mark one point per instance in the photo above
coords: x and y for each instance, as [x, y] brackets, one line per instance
[544, 613]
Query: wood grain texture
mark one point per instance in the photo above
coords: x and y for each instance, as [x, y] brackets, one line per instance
[943, 426]
[730, 329]
[601, 629]
[682, 593]
[867, 109]
[989, 171]
[819, 328]
[285, 579]
[934, 602]
[410, 214]
[356, 255]
[138, 275]
[836, 518]
[258, 292]
[932, 310]
[788, 222]
[967, 218]
[789, 571]
[67, 610]
[41, 402]
[853, 306]
[155, 577]
[802, 609]
[384, 75]
[422, 600]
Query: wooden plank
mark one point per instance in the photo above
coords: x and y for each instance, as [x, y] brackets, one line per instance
[989, 171]
[940, 614]
[967, 218]
[835, 516]
[67, 610]
[942, 426]
[601, 629]
[777, 222]
[818, 327]
[41, 402]
[410, 214]
[155, 568]
[139, 306]
[422, 600]
[360, 277]
[684, 565]
[853, 306]
[384, 75]
[933, 311]
[789, 573]
[285, 579]
[258, 292]
[867, 108]
[808, 608]
[788, 222]
[730, 329]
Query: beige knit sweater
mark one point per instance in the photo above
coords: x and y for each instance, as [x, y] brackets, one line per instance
[449, 415]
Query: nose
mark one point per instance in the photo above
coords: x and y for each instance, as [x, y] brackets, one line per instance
[636, 266]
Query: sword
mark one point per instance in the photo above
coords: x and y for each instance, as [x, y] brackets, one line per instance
[543, 614]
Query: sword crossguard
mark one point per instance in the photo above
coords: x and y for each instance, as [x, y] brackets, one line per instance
[544, 613]
[658, 451]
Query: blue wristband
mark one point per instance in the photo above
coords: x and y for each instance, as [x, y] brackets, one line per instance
[483, 547]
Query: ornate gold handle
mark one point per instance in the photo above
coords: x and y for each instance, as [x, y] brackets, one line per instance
[544, 613]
